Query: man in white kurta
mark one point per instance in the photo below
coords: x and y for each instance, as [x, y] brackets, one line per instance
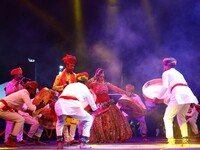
[69, 103]
[179, 102]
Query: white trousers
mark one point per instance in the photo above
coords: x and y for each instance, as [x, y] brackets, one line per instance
[174, 109]
[87, 124]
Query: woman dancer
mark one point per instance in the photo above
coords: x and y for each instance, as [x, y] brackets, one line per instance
[110, 125]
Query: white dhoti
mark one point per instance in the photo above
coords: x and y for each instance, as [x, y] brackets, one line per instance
[74, 109]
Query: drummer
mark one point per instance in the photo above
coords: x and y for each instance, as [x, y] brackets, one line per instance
[130, 95]
[10, 105]
[179, 102]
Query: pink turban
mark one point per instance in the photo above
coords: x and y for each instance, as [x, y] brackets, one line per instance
[169, 61]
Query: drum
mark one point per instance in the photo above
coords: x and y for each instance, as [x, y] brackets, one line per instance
[43, 95]
[48, 119]
[132, 108]
[151, 89]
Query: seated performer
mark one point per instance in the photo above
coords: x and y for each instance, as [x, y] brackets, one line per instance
[130, 95]
[178, 103]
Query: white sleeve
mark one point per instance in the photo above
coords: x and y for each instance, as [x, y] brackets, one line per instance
[90, 100]
[164, 87]
[27, 101]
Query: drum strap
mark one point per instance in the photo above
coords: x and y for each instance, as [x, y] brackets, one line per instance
[178, 84]
[69, 97]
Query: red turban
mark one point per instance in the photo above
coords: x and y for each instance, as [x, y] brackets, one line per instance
[16, 71]
[69, 59]
[169, 61]
[31, 84]
[84, 76]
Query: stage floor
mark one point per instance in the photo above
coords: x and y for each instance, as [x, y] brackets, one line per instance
[134, 143]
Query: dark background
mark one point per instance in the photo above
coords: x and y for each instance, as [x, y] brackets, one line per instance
[128, 38]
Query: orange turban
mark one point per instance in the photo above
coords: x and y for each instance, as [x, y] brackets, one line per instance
[16, 71]
[31, 84]
[82, 77]
[69, 59]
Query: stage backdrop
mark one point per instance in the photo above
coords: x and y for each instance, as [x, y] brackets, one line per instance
[2, 91]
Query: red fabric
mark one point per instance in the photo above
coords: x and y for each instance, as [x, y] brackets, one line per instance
[6, 107]
[104, 97]
[63, 78]
[68, 97]
[69, 59]
[32, 84]
[16, 71]
[101, 96]
[48, 119]
[197, 108]
[178, 84]
[110, 126]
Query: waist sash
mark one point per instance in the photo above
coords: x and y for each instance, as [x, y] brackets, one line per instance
[69, 97]
[178, 84]
[6, 107]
